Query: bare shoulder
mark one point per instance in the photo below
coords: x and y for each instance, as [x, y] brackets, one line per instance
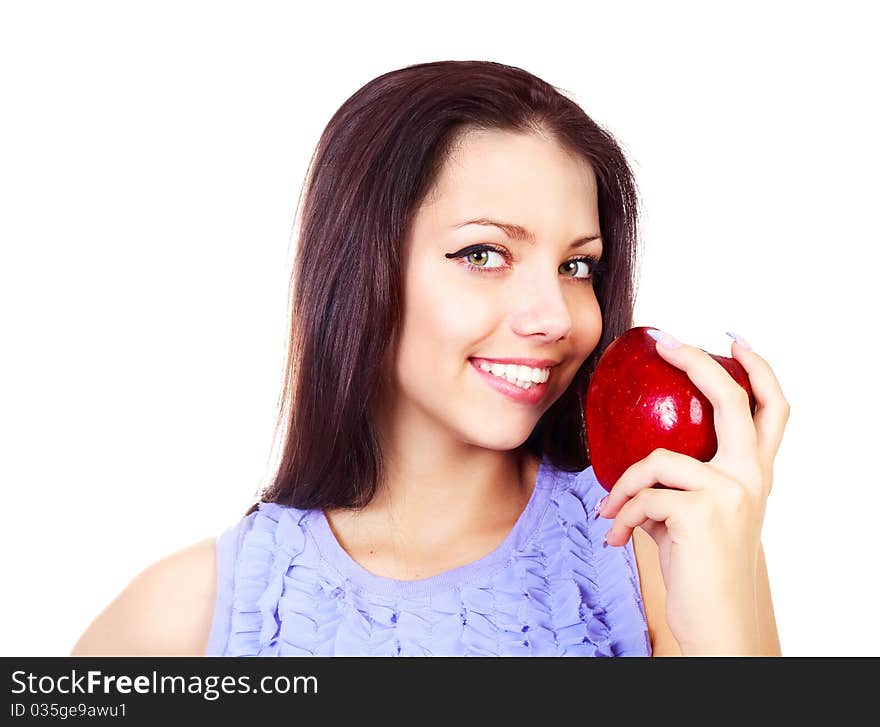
[166, 609]
[663, 643]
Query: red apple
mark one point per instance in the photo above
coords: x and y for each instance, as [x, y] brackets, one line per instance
[637, 402]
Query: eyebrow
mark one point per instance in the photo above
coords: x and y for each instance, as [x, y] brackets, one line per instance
[518, 232]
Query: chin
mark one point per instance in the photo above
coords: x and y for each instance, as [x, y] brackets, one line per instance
[504, 440]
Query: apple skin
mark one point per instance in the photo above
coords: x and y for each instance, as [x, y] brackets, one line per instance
[637, 402]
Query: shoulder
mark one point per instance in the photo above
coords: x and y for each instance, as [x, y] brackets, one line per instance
[167, 609]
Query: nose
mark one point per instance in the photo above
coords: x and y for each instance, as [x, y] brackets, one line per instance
[540, 310]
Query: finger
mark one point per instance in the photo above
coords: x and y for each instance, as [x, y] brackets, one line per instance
[773, 409]
[734, 428]
[662, 466]
[654, 529]
[666, 506]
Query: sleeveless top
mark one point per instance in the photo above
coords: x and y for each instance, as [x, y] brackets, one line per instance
[285, 586]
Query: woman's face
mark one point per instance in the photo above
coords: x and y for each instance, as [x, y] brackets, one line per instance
[519, 300]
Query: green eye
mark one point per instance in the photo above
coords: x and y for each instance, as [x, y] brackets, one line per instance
[593, 267]
[574, 267]
[477, 258]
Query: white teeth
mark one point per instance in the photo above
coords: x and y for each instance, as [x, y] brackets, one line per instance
[523, 376]
[522, 384]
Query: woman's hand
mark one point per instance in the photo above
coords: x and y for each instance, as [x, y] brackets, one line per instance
[708, 525]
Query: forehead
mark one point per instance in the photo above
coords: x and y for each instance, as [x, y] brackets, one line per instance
[514, 176]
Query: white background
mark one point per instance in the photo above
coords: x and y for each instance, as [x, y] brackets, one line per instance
[151, 157]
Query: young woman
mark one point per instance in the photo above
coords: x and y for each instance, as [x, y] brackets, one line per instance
[467, 251]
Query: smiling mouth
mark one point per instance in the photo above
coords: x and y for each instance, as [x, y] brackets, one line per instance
[524, 377]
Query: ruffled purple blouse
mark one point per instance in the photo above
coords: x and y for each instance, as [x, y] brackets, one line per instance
[286, 587]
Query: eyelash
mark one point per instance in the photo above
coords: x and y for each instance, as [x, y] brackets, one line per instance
[597, 266]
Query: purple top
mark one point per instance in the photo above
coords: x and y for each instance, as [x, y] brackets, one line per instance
[286, 587]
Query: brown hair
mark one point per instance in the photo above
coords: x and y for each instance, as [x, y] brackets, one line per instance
[375, 162]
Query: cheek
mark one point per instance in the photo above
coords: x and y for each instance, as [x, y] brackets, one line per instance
[594, 317]
[436, 320]
[587, 327]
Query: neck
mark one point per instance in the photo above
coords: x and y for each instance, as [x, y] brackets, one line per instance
[435, 493]
[438, 489]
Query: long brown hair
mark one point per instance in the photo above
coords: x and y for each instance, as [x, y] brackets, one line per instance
[374, 164]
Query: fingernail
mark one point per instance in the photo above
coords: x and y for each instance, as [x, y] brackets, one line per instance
[666, 340]
[598, 509]
[740, 340]
[605, 541]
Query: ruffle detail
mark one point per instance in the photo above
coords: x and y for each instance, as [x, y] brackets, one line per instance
[611, 606]
[558, 593]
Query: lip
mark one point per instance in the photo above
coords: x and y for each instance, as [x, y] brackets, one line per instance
[531, 396]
